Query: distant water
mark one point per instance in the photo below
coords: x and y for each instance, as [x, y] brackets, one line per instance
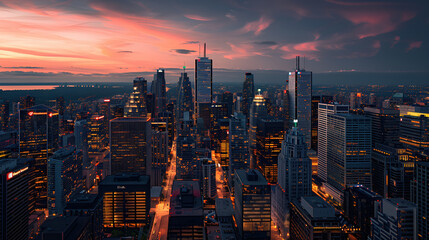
[27, 87]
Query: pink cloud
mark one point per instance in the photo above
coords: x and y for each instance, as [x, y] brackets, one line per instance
[198, 18]
[241, 51]
[376, 44]
[396, 40]
[413, 45]
[257, 26]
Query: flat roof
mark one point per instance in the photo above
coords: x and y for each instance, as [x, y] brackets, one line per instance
[224, 207]
[186, 199]
[247, 177]
[125, 179]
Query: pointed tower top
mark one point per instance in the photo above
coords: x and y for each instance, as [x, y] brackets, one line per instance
[204, 49]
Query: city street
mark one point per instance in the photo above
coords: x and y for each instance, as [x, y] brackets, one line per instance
[159, 228]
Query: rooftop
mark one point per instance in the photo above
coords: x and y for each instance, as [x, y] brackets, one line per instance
[126, 178]
[251, 177]
[186, 199]
[224, 207]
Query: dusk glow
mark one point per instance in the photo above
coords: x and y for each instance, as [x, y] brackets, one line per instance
[104, 37]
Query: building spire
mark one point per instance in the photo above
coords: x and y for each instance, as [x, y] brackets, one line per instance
[204, 49]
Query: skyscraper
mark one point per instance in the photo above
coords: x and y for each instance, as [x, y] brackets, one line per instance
[395, 218]
[185, 101]
[97, 140]
[136, 105]
[258, 110]
[269, 137]
[252, 205]
[348, 153]
[315, 100]
[248, 94]
[187, 166]
[322, 149]
[4, 115]
[14, 200]
[228, 99]
[294, 177]
[64, 178]
[414, 133]
[203, 87]
[159, 90]
[385, 125]
[208, 178]
[38, 135]
[130, 146]
[238, 146]
[300, 87]
[420, 196]
[159, 144]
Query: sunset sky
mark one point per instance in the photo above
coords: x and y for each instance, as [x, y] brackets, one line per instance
[86, 39]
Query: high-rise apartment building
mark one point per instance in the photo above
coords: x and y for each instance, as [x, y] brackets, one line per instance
[126, 201]
[38, 139]
[130, 145]
[300, 87]
[208, 178]
[252, 205]
[348, 153]
[322, 136]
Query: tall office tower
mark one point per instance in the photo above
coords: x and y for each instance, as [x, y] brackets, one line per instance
[238, 146]
[269, 137]
[359, 207]
[60, 105]
[322, 136]
[159, 90]
[414, 133]
[38, 134]
[252, 205]
[97, 140]
[349, 153]
[352, 101]
[373, 99]
[258, 110]
[130, 148]
[186, 219]
[219, 131]
[228, 99]
[385, 125]
[14, 200]
[185, 101]
[315, 100]
[126, 201]
[150, 104]
[285, 107]
[294, 177]
[203, 87]
[159, 161]
[64, 178]
[26, 102]
[81, 139]
[248, 94]
[4, 115]
[395, 218]
[294, 166]
[136, 104]
[209, 178]
[300, 87]
[104, 109]
[187, 165]
[89, 205]
[313, 218]
[420, 196]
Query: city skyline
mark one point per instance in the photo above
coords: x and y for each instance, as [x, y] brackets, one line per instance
[97, 40]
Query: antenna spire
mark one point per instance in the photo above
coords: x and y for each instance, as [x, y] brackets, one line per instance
[297, 63]
[204, 49]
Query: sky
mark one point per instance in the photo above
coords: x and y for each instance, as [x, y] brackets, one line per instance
[112, 40]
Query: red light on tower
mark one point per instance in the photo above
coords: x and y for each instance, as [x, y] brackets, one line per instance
[50, 114]
[106, 100]
[30, 114]
[9, 175]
